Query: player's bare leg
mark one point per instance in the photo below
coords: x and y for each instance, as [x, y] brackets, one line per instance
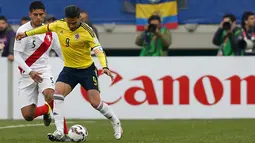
[62, 90]
[104, 109]
[28, 112]
[31, 112]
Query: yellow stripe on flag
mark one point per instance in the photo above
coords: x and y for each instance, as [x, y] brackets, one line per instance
[164, 9]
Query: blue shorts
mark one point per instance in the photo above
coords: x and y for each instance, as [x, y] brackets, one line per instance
[86, 77]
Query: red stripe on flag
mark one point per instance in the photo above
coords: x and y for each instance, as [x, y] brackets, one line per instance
[39, 51]
[168, 26]
[171, 25]
[140, 27]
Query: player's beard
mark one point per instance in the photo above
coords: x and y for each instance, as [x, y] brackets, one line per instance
[77, 26]
[37, 23]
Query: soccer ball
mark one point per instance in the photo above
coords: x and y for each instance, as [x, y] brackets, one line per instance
[78, 133]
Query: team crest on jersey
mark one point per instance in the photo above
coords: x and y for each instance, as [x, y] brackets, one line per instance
[49, 38]
[77, 36]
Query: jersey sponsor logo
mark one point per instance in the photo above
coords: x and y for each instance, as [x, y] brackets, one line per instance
[77, 36]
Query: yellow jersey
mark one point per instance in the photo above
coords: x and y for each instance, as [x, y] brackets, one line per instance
[75, 45]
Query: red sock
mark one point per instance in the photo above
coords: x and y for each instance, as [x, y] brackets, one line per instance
[65, 127]
[51, 103]
[39, 111]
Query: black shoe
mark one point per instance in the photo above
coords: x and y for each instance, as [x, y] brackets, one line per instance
[47, 119]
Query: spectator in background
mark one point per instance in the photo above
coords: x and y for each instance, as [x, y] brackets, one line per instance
[7, 37]
[84, 18]
[226, 37]
[49, 19]
[248, 33]
[24, 20]
[155, 40]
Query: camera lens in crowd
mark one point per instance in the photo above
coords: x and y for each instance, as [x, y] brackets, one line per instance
[226, 25]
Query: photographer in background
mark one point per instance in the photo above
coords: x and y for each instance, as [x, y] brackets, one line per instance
[226, 37]
[247, 36]
[155, 40]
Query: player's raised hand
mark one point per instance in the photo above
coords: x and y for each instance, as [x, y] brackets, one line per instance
[21, 35]
[108, 72]
[36, 76]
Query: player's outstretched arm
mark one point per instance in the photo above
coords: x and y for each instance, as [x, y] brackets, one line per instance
[38, 30]
[99, 52]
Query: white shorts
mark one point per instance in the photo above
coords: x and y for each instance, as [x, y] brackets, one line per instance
[28, 90]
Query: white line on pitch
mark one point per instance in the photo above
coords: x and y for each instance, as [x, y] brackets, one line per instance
[25, 125]
[35, 125]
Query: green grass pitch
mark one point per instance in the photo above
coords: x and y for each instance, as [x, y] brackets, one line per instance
[139, 131]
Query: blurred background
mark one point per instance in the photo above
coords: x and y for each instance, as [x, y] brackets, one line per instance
[116, 20]
[190, 80]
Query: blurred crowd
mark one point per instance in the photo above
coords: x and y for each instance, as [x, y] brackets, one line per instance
[234, 40]
[7, 33]
[155, 40]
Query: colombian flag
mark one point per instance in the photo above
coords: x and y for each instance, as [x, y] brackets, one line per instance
[166, 9]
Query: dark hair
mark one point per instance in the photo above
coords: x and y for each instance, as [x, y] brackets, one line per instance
[83, 11]
[231, 16]
[154, 17]
[72, 11]
[246, 16]
[25, 18]
[3, 18]
[50, 18]
[36, 5]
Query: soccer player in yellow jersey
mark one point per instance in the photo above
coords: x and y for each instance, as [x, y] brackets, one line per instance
[77, 39]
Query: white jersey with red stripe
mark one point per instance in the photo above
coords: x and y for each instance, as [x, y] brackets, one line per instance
[35, 49]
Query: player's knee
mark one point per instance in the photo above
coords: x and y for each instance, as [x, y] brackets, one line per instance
[94, 98]
[28, 112]
[62, 88]
[28, 116]
[94, 105]
[48, 94]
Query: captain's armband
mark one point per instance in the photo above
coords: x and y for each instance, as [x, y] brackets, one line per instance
[97, 50]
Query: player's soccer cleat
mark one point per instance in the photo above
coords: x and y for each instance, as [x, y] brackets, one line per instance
[47, 117]
[118, 131]
[57, 136]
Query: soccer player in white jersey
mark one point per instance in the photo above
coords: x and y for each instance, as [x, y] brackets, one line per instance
[32, 56]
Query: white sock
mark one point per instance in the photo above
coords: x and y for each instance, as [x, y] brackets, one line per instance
[105, 110]
[58, 112]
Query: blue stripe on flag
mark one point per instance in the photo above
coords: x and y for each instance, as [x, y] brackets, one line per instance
[169, 19]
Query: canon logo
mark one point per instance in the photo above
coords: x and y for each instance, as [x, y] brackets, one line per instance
[184, 90]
